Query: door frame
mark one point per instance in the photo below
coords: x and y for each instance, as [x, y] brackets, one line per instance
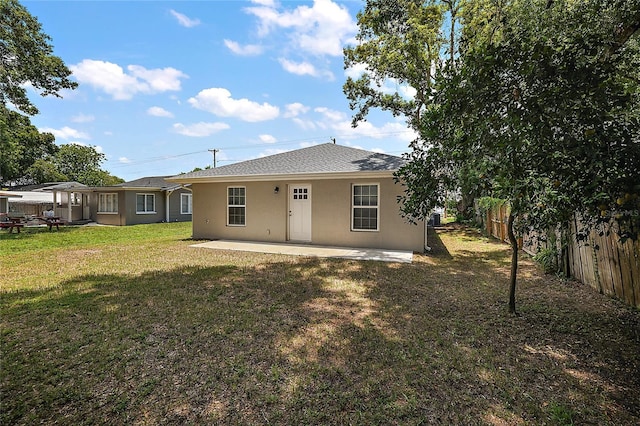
[290, 188]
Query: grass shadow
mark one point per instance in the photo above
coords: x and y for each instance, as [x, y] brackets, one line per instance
[317, 341]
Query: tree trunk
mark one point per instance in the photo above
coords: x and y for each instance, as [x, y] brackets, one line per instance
[514, 265]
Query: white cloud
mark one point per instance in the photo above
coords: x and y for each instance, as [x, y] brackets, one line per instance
[340, 123]
[218, 101]
[159, 80]
[389, 86]
[295, 109]
[322, 29]
[355, 71]
[159, 112]
[270, 3]
[124, 160]
[305, 124]
[366, 129]
[198, 130]
[82, 118]
[267, 138]
[246, 50]
[113, 80]
[66, 133]
[330, 114]
[304, 68]
[392, 85]
[184, 20]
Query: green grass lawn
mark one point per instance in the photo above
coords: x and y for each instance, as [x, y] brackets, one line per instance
[130, 325]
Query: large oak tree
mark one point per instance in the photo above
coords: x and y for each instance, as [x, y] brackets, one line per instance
[540, 106]
[26, 59]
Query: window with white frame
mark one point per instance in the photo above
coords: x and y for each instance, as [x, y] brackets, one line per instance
[76, 198]
[145, 203]
[236, 206]
[186, 202]
[365, 209]
[107, 203]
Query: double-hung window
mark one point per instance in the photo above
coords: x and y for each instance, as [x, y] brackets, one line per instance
[365, 208]
[145, 203]
[236, 206]
[186, 202]
[107, 203]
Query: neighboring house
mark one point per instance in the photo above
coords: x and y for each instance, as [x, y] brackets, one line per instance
[4, 200]
[326, 194]
[145, 200]
[67, 199]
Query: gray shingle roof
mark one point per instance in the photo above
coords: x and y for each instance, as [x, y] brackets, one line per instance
[149, 182]
[325, 158]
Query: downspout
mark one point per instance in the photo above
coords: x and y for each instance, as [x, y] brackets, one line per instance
[166, 213]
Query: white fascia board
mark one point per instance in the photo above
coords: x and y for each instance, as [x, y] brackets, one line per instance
[284, 177]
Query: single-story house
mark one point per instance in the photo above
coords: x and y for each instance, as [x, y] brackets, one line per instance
[325, 195]
[146, 200]
[66, 199]
[4, 200]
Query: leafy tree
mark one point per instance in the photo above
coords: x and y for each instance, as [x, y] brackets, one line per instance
[21, 144]
[398, 41]
[27, 58]
[72, 163]
[541, 108]
[82, 164]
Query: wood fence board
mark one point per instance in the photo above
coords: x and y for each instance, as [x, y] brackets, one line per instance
[603, 256]
[613, 264]
[612, 269]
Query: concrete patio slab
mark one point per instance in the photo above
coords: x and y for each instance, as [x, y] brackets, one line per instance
[310, 250]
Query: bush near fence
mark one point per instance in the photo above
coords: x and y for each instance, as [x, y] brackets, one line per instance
[602, 261]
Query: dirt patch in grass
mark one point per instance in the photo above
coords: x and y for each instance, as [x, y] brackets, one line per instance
[160, 333]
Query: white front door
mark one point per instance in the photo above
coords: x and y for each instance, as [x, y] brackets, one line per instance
[300, 212]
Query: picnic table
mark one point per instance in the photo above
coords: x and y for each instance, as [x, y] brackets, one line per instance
[51, 221]
[10, 223]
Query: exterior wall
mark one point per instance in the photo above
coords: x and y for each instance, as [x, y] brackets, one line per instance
[93, 206]
[174, 207]
[117, 219]
[267, 214]
[129, 208]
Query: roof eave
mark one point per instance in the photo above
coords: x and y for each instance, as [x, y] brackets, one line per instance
[284, 177]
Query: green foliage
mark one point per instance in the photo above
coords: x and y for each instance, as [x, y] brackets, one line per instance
[72, 163]
[489, 203]
[21, 144]
[547, 258]
[541, 108]
[561, 415]
[398, 40]
[27, 58]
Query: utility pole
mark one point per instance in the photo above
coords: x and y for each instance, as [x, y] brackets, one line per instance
[213, 151]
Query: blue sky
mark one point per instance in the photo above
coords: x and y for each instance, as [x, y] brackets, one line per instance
[163, 82]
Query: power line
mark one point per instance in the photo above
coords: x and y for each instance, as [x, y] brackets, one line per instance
[132, 163]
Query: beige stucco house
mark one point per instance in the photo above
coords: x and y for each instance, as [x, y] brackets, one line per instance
[325, 194]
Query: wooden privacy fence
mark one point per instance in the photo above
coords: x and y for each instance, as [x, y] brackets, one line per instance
[601, 261]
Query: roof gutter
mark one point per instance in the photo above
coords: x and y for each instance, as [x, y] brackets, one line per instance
[281, 177]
